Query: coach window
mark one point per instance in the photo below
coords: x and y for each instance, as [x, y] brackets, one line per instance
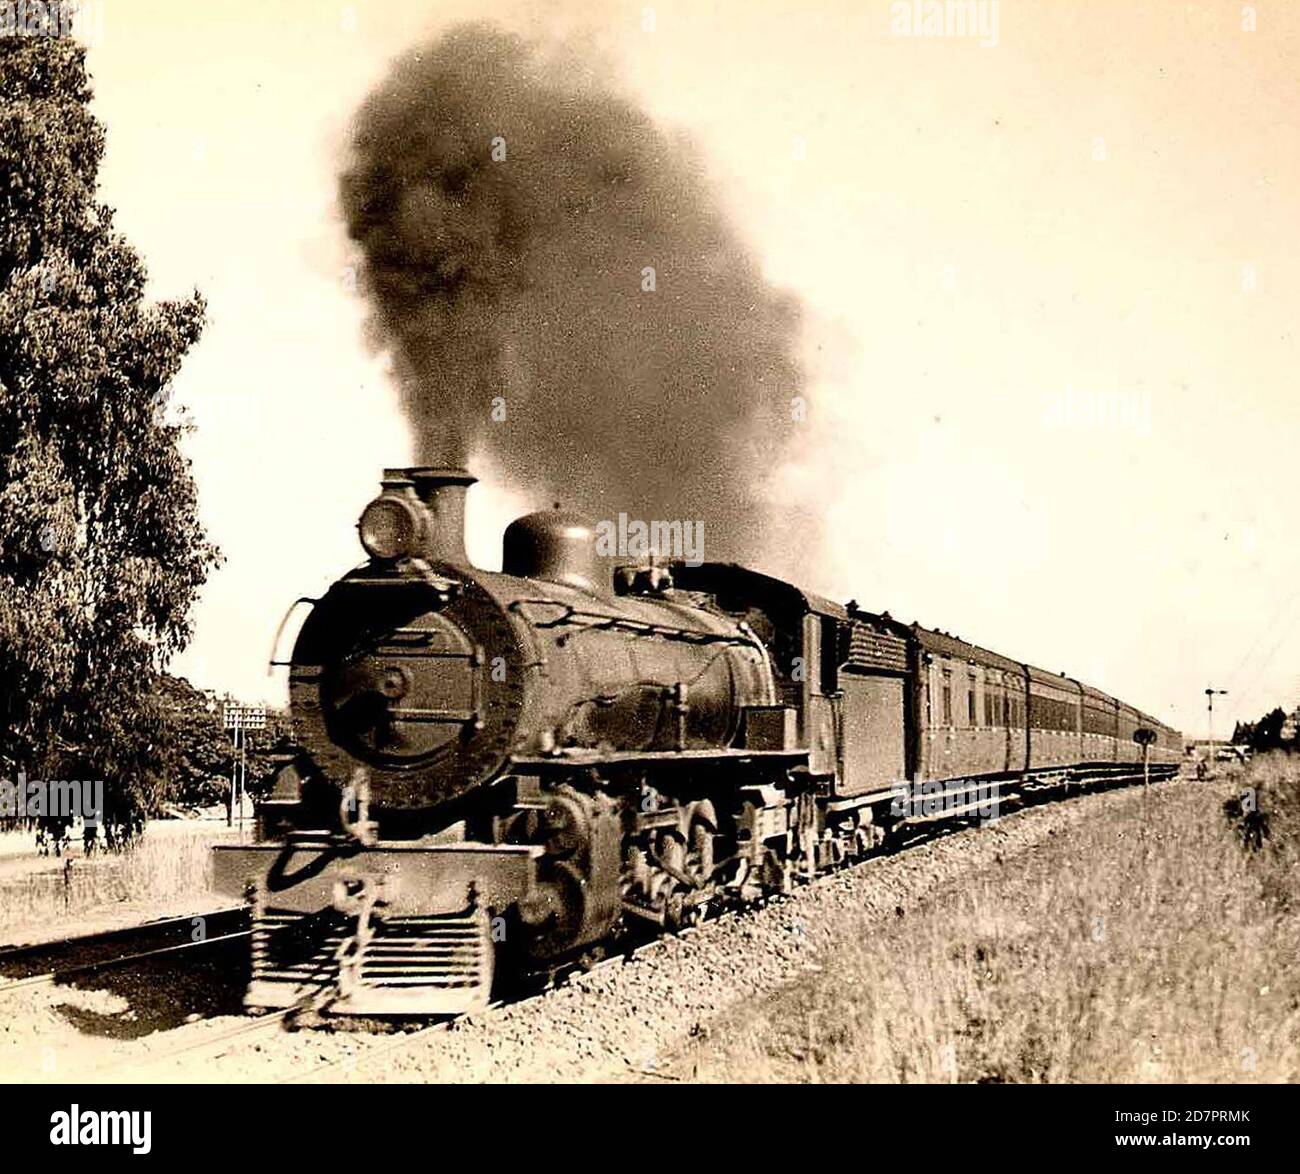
[947, 697]
[971, 716]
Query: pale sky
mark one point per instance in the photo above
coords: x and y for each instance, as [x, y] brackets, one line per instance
[1050, 288]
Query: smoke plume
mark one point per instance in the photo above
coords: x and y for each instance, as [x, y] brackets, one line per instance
[562, 293]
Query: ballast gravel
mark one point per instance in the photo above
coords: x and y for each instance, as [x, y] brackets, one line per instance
[624, 1019]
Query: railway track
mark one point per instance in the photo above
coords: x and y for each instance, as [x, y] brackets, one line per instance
[50, 963]
[372, 1048]
[630, 953]
[212, 1044]
[390, 1045]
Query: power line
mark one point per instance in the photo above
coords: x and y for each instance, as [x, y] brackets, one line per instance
[1263, 633]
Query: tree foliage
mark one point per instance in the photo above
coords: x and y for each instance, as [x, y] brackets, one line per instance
[1264, 734]
[101, 549]
[198, 752]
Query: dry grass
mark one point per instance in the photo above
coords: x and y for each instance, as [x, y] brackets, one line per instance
[165, 868]
[1148, 945]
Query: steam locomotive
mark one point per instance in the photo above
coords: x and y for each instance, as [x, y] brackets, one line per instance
[519, 767]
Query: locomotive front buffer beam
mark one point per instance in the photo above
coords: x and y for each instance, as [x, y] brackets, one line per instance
[394, 929]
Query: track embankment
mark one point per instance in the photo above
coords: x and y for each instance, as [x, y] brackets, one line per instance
[647, 1018]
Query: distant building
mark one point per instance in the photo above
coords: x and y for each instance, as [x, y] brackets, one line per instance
[1199, 749]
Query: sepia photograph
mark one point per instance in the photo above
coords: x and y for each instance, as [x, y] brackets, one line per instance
[644, 542]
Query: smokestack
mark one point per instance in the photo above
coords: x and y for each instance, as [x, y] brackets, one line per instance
[442, 490]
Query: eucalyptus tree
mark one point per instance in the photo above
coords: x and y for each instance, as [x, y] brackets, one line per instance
[101, 549]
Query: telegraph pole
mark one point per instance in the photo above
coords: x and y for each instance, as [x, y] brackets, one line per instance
[238, 720]
[230, 719]
[1210, 695]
